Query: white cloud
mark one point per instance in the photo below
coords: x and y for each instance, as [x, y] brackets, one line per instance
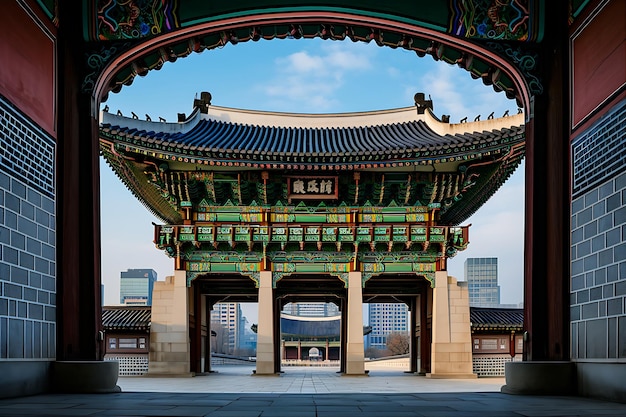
[338, 57]
[310, 80]
[300, 62]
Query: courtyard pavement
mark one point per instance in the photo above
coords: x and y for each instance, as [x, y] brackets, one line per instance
[306, 392]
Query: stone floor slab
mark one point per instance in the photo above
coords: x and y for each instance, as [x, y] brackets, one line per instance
[234, 392]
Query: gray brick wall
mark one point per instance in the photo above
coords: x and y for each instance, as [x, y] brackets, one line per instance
[27, 239]
[598, 245]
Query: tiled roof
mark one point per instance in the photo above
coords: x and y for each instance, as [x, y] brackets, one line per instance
[322, 327]
[496, 318]
[215, 138]
[126, 317]
[310, 327]
[139, 318]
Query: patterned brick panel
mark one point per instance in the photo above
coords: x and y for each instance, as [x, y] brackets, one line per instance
[598, 240]
[27, 239]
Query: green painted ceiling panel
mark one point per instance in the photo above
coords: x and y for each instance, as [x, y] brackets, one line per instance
[432, 13]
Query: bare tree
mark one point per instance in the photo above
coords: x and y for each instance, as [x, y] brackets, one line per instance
[398, 343]
[219, 342]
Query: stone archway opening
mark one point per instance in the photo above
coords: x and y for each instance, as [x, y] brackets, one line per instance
[312, 310]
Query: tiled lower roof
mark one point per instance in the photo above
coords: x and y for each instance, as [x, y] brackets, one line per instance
[309, 327]
[510, 319]
[139, 318]
[127, 318]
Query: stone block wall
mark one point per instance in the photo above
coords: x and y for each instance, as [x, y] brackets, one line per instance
[451, 355]
[169, 331]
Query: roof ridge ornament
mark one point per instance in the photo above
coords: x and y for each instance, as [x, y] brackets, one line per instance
[203, 102]
[421, 103]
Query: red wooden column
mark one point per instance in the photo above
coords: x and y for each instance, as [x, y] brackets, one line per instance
[414, 340]
[343, 337]
[207, 340]
[425, 329]
[546, 247]
[278, 307]
[196, 336]
[79, 311]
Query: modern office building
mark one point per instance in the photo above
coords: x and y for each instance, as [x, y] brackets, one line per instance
[229, 315]
[481, 275]
[384, 319]
[136, 286]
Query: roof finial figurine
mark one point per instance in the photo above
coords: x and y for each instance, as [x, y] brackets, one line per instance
[106, 108]
[506, 113]
[490, 116]
[119, 113]
[464, 120]
[204, 102]
[477, 118]
[421, 103]
[134, 115]
[148, 118]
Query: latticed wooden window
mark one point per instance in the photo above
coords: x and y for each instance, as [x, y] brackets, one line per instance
[128, 343]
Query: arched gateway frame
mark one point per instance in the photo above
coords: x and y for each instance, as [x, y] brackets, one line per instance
[516, 68]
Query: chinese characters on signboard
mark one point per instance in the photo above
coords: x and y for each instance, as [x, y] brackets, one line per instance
[320, 188]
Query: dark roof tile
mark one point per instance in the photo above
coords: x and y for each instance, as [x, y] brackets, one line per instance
[497, 318]
[126, 318]
[383, 139]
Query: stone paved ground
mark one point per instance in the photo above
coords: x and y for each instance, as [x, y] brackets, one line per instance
[306, 392]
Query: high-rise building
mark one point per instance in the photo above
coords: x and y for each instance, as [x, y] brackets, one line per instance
[230, 317]
[384, 319]
[136, 286]
[481, 275]
[319, 309]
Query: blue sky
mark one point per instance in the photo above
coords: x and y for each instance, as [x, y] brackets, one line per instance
[309, 76]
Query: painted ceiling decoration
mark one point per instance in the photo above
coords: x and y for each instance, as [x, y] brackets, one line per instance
[514, 20]
[133, 19]
[517, 20]
[147, 34]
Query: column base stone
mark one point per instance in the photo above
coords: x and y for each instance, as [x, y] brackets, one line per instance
[540, 378]
[85, 376]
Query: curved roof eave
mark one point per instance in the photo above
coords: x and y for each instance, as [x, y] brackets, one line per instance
[390, 133]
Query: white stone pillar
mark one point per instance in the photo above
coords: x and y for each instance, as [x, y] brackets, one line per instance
[451, 338]
[265, 327]
[169, 331]
[354, 347]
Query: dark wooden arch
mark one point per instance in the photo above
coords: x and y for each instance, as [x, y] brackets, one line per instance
[547, 177]
[138, 59]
